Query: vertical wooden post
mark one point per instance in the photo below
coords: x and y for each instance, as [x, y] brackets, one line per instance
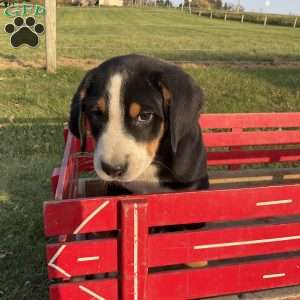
[242, 19]
[50, 22]
[265, 21]
[134, 250]
[211, 15]
[225, 17]
[200, 13]
[182, 4]
[295, 22]
[190, 9]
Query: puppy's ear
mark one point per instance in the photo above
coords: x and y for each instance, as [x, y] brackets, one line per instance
[183, 100]
[77, 120]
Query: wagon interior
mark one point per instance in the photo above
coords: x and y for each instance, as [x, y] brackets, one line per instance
[243, 150]
[250, 240]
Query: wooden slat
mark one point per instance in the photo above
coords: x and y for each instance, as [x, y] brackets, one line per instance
[174, 208]
[251, 138]
[89, 215]
[282, 172]
[85, 290]
[54, 179]
[67, 171]
[250, 120]
[252, 157]
[186, 247]
[134, 250]
[71, 259]
[231, 279]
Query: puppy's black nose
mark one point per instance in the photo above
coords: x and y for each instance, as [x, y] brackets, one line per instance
[114, 171]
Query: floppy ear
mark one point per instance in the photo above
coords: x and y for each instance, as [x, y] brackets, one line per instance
[184, 100]
[77, 120]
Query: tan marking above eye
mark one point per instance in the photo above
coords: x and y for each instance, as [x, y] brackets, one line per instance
[134, 110]
[101, 105]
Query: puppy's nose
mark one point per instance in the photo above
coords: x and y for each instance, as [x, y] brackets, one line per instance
[114, 170]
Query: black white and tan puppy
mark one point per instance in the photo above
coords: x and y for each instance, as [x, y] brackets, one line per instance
[143, 115]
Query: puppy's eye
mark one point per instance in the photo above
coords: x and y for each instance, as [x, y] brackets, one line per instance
[145, 117]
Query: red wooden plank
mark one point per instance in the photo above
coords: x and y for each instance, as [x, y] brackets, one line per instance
[85, 290]
[79, 216]
[175, 208]
[250, 120]
[82, 258]
[253, 156]
[251, 138]
[194, 283]
[193, 246]
[134, 250]
[230, 279]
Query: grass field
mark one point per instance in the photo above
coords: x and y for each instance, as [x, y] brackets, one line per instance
[34, 105]
[166, 33]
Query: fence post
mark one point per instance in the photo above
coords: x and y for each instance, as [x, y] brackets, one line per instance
[225, 17]
[295, 22]
[211, 15]
[134, 249]
[200, 13]
[50, 21]
[242, 19]
[265, 21]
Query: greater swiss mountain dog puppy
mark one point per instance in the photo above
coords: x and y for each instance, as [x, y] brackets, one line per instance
[143, 115]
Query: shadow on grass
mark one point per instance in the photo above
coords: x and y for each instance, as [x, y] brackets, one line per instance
[28, 155]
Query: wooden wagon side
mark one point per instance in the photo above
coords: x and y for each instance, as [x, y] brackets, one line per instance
[105, 249]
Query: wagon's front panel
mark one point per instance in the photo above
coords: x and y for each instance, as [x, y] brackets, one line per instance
[121, 250]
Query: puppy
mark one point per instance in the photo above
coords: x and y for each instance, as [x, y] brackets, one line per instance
[143, 116]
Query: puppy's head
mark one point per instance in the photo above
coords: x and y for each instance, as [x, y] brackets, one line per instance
[131, 103]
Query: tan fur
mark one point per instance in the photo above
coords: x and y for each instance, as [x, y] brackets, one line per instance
[152, 146]
[167, 95]
[134, 110]
[101, 105]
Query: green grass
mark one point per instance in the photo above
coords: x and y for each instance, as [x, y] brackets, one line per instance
[34, 106]
[167, 33]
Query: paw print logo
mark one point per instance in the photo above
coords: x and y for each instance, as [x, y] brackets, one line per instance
[24, 32]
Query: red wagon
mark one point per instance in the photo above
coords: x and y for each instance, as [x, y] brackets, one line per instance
[105, 250]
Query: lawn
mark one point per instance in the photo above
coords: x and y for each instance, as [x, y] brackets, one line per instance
[167, 33]
[34, 106]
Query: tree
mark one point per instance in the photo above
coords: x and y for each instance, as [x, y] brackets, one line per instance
[219, 4]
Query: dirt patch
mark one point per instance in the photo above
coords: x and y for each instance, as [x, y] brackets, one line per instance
[84, 64]
[18, 64]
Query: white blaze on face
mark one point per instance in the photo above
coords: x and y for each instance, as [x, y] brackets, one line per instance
[115, 146]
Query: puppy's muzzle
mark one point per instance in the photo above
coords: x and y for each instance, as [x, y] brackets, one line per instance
[114, 170]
